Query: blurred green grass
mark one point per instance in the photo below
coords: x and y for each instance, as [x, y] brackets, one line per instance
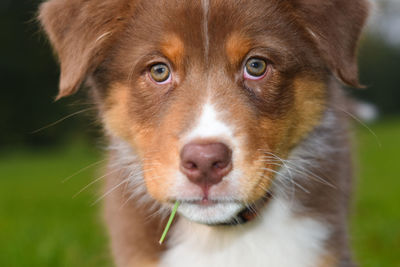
[376, 213]
[41, 224]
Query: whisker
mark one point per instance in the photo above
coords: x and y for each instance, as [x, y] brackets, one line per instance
[281, 160]
[61, 120]
[252, 208]
[362, 124]
[291, 180]
[96, 180]
[83, 169]
[282, 189]
[109, 173]
[110, 191]
[136, 184]
[132, 196]
[159, 211]
[302, 170]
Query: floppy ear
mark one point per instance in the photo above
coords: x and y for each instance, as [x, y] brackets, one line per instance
[336, 27]
[80, 32]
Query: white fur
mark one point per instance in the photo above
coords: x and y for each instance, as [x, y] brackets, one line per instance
[278, 239]
[127, 165]
[217, 213]
[206, 7]
[210, 125]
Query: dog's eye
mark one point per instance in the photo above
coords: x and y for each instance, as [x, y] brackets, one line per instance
[160, 73]
[255, 69]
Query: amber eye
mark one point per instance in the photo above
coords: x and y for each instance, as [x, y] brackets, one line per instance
[160, 73]
[255, 68]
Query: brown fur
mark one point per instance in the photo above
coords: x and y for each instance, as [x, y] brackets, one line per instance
[111, 43]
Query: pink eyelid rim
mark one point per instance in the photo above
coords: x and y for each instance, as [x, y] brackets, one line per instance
[160, 83]
[247, 76]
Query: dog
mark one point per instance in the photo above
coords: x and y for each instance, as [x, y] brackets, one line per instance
[229, 107]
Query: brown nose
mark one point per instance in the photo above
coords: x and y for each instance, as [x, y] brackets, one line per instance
[206, 164]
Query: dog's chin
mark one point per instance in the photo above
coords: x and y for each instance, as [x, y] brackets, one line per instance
[211, 214]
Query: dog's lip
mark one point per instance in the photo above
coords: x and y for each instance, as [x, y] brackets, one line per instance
[204, 202]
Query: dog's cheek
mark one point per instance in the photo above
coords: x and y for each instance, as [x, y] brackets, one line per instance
[273, 138]
[160, 146]
[116, 116]
[160, 162]
[119, 121]
[265, 137]
[310, 104]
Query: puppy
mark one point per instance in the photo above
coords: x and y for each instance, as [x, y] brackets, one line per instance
[229, 107]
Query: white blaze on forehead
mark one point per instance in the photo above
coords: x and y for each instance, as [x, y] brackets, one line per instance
[206, 7]
[209, 125]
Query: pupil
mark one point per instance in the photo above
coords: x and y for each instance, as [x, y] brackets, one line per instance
[160, 70]
[255, 65]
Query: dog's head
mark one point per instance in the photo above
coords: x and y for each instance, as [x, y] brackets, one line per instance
[206, 91]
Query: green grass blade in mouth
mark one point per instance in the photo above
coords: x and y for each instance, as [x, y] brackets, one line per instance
[171, 218]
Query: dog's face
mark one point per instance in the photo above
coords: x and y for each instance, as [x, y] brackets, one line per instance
[209, 94]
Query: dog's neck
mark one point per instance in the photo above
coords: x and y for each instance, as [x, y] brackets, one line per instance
[277, 238]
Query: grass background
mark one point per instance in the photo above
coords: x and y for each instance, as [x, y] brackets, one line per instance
[41, 224]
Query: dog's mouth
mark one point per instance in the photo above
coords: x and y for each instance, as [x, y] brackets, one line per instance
[220, 212]
[210, 212]
[205, 201]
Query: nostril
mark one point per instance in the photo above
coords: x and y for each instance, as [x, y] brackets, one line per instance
[219, 165]
[190, 165]
[216, 165]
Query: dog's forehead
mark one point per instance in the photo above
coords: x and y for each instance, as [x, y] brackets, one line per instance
[209, 23]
